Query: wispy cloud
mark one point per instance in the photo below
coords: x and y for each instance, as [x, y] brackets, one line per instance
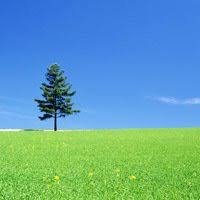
[88, 111]
[17, 108]
[14, 114]
[176, 101]
[14, 100]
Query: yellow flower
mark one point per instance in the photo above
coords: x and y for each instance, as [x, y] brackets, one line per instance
[56, 178]
[90, 174]
[132, 178]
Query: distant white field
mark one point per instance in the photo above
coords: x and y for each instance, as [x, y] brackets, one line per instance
[10, 130]
[69, 130]
[14, 130]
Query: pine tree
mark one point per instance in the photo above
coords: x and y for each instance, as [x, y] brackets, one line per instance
[57, 96]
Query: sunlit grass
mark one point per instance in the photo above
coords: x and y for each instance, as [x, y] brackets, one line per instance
[121, 164]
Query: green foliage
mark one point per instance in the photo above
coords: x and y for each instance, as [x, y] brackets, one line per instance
[123, 164]
[57, 96]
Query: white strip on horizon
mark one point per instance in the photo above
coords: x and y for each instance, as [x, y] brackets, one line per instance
[10, 130]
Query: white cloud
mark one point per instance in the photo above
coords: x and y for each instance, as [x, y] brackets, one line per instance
[193, 101]
[175, 101]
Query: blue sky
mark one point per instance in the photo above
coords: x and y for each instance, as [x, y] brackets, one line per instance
[133, 63]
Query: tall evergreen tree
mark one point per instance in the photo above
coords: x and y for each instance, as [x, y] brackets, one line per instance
[57, 96]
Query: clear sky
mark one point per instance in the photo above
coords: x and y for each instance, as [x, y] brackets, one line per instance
[134, 63]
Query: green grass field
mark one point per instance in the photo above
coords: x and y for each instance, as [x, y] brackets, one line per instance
[115, 164]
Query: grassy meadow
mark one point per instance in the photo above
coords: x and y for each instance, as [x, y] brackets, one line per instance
[102, 164]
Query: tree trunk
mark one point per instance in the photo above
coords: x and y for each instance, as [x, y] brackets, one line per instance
[55, 122]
